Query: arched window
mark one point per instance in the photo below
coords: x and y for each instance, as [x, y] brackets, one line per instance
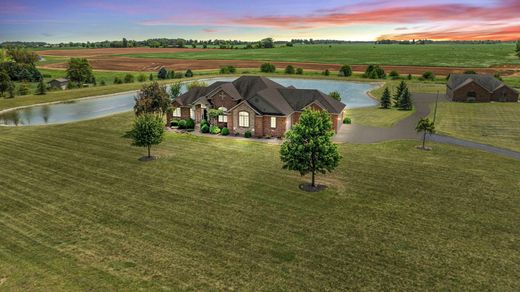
[243, 119]
[223, 117]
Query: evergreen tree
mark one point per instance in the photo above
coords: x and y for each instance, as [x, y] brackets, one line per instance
[405, 101]
[397, 96]
[386, 99]
[42, 88]
[163, 73]
[150, 77]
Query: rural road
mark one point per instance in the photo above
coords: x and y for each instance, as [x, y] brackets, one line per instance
[405, 129]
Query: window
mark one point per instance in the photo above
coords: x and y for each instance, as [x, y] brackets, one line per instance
[273, 122]
[192, 114]
[243, 119]
[223, 117]
[177, 112]
[472, 94]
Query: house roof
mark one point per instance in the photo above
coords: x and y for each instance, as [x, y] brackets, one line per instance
[61, 80]
[265, 96]
[488, 82]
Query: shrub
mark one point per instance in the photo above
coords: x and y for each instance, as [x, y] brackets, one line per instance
[374, 72]
[428, 75]
[214, 130]
[178, 75]
[23, 89]
[204, 122]
[150, 77]
[188, 73]
[141, 78]
[182, 124]
[394, 75]
[345, 70]
[102, 82]
[347, 120]
[289, 69]
[299, 71]
[409, 76]
[248, 134]
[204, 128]
[117, 80]
[47, 76]
[129, 78]
[326, 72]
[267, 68]
[228, 70]
[224, 131]
[174, 123]
[190, 124]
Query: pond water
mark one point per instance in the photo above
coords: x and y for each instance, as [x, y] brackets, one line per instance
[354, 95]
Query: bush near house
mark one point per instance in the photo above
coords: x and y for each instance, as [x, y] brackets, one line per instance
[213, 129]
[248, 134]
[204, 128]
[225, 131]
[347, 120]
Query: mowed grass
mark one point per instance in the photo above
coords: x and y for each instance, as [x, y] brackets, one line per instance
[411, 55]
[80, 212]
[496, 124]
[377, 117]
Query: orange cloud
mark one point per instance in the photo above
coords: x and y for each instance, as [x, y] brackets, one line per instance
[504, 34]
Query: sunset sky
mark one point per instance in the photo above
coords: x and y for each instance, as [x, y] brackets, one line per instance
[73, 20]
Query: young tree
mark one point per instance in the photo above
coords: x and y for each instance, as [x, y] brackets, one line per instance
[150, 77]
[405, 101]
[336, 95]
[163, 73]
[79, 71]
[386, 102]
[42, 88]
[400, 88]
[175, 90]
[308, 147]
[148, 130]
[427, 127]
[345, 70]
[152, 98]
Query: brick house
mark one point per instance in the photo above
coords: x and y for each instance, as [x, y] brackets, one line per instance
[256, 104]
[479, 88]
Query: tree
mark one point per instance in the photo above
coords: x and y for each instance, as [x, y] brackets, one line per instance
[150, 77]
[175, 90]
[428, 75]
[266, 43]
[374, 72]
[336, 95]
[148, 130]
[23, 56]
[129, 78]
[308, 147]
[152, 98]
[299, 71]
[79, 71]
[397, 96]
[267, 68]
[405, 101]
[42, 88]
[518, 48]
[345, 70]
[196, 83]
[289, 69]
[326, 72]
[188, 73]
[125, 43]
[23, 89]
[386, 102]
[394, 75]
[427, 127]
[163, 73]
[5, 82]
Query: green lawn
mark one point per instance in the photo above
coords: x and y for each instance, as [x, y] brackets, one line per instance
[418, 55]
[376, 117]
[497, 124]
[80, 212]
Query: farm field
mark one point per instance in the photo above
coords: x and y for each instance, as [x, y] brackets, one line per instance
[85, 214]
[496, 124]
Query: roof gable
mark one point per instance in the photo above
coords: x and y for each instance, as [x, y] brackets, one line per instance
[488, 82]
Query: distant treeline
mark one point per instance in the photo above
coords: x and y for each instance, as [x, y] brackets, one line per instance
[223, 44]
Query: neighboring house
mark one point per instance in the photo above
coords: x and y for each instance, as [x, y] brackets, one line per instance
[256, 104]
[59, 83]
[479, 88]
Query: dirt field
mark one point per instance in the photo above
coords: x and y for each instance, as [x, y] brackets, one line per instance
[106, 59]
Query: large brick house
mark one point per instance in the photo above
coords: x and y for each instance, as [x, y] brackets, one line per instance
[256, 104]
[479, 88]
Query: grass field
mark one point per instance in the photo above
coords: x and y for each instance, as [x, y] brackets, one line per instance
[376, 117]
[419, 55]
[497, 124]
[79, 212]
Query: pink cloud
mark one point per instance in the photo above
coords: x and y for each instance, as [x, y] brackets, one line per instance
[498, 33]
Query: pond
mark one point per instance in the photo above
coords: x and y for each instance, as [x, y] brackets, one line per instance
[353, 94]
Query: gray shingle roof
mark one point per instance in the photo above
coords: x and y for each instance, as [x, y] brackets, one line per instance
[266, 96]
[489, 82]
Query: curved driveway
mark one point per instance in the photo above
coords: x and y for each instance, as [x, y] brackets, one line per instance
[405, 129]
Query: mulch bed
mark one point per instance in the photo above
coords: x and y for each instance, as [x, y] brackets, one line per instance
[307, 187]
